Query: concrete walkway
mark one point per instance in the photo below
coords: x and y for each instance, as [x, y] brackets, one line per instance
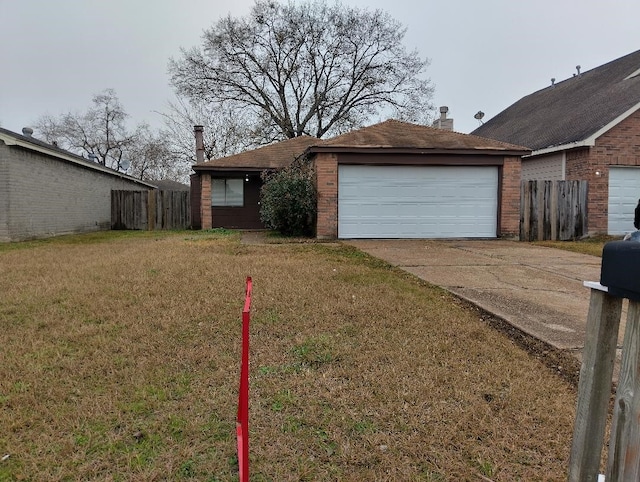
[539, 290]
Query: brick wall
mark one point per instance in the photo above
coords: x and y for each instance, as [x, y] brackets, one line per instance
[46, 196]
[205, 201]
[327, 185]
[510, 197]
[582, 165]
[620, 146]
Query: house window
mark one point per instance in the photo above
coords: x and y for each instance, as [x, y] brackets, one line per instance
[227, 192]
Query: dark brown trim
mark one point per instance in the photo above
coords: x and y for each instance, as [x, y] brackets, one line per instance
[417, 151]
[232, 170]
[489, 157]
[424, 160]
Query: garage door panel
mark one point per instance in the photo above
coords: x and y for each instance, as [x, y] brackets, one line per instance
[624, 192]
[417, 201]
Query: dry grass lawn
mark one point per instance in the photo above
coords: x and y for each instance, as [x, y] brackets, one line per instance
[592, 246]
[120, 361]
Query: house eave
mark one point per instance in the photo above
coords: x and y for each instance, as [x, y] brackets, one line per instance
[413, 151]
[561, 148]
[253, 169]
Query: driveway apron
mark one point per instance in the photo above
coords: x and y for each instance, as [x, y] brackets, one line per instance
[539, 290]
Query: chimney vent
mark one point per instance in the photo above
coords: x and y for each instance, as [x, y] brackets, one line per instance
[27, 131]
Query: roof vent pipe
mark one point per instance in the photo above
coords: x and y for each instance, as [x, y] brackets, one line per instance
[578, 69]
[198, 132]
[27, 131]
[443, 112]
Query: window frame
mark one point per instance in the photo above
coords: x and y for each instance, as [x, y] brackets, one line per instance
[227, 199]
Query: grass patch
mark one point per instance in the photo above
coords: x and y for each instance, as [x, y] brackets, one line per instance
[83, 239]
[592, 246]
[120, 361]
[314, 352]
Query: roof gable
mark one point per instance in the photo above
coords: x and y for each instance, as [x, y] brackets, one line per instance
[571, 111]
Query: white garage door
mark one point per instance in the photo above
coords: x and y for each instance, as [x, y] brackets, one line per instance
[417, 201]
[624, 192]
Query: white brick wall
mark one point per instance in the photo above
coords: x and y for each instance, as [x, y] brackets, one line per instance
[46, 196]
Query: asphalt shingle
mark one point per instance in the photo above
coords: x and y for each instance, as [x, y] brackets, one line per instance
[571, 110]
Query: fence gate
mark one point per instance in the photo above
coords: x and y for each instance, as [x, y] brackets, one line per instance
[149, 210]
[553, 210]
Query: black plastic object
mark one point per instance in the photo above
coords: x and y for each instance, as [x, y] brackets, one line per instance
[620, 271]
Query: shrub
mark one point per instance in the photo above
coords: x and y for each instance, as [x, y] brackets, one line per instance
[288, 200]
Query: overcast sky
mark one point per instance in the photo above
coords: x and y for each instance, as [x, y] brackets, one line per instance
[485, 55]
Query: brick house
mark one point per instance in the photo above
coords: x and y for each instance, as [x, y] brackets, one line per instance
[47, 191]
[225, 193]
[584, 128]
[389, 180]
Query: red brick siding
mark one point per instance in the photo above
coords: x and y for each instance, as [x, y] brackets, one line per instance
[510, 197]
[327, 185]
[205, 201]
[620, 146]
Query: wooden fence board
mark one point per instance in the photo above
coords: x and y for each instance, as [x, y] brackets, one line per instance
[553, 210]
[594, 388]
[624, 445]
[149, 210]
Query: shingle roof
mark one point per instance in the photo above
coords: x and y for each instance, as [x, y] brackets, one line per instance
[391, 135]
[398, 135]
[273, 156]
[572, 110]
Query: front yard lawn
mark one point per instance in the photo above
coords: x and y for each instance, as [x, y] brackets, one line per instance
[120, 361]
[592, 246]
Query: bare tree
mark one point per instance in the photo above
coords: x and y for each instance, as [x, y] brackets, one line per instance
[100, 131]
[152, 157]
[226, 131]
[307, 68]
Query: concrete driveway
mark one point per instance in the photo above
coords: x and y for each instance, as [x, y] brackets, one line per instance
[539, 290]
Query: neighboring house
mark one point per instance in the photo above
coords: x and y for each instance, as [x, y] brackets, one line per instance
[170, 185]
[47, 191]
[389, 180]
[584, 128]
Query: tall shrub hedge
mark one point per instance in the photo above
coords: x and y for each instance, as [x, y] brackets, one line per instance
[288, 200]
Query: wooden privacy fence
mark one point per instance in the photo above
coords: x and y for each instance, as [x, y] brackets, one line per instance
[553, 210]
[149, 210]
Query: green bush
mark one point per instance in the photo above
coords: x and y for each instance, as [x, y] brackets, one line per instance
[288, 200]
